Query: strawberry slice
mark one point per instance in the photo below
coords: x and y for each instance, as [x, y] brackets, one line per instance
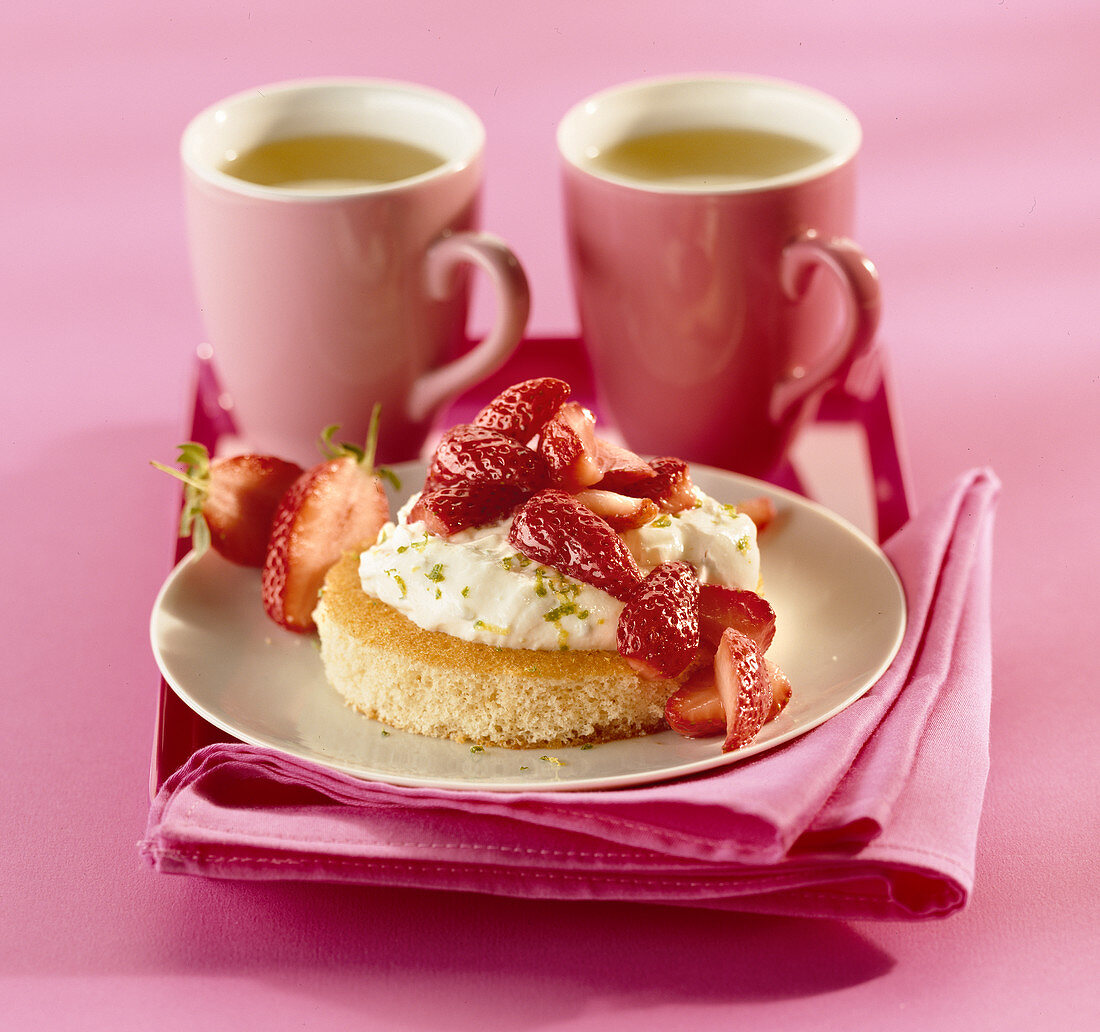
[521, 411]
[695, 709]
[229, 503]
[743, 686]
[552, 527]
[721, 607]
[761, 510]
[620, 466]
[337, 505]
[568, 446]
[658, 632]
[620, 511]
[451, 508]
[671, 486]
[781, 689]
[470, 454]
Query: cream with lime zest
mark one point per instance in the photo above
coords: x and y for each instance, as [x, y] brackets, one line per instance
[475, 586]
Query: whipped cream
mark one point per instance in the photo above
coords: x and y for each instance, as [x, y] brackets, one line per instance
[478, 587]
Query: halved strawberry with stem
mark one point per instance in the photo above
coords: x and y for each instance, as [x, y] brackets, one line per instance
[469, 454]
[658, 632]
[337, 505]
[553, 528]
[230, 502]
[451, 508]
[522, 410]
[568, 446]
[721, 607]
[744, 687]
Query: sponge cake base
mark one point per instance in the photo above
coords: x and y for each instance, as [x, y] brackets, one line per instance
[434, 684]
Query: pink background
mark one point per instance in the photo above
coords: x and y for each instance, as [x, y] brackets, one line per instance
[978, 202]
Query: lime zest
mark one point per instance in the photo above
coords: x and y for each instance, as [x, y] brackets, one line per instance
[481, 625]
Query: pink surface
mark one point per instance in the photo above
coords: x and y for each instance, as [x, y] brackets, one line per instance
[978, 202]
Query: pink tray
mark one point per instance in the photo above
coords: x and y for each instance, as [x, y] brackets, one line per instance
[850, 459]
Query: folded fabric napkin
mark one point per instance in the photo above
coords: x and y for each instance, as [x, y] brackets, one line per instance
[874, 814]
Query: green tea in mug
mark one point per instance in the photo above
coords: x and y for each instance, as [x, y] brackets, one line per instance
[717, 156]
[333, 162]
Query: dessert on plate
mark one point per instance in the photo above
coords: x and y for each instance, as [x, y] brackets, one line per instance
[546, 587]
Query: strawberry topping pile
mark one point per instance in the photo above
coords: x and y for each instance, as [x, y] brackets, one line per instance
[534, 455]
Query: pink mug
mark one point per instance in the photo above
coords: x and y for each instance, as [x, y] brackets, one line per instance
[332, 224]
[701, 214]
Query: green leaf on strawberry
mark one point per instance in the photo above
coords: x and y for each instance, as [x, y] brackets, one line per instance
[364, 456]
[195, 476]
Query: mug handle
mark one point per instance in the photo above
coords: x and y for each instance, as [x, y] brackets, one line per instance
[858, 281]
[514, 298]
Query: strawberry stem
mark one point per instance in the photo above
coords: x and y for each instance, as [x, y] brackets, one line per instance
[372, 439]
[180, 475]
[365, 455]
[196, 481]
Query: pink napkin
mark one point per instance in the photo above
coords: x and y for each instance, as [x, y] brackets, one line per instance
[874, 814]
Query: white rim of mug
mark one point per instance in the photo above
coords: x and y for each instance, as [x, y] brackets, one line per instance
[837, 158]
[210, 173]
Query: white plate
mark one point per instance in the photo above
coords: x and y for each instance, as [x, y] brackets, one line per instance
[840, 618]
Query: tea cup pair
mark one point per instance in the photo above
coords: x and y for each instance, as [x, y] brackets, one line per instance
[333, 225]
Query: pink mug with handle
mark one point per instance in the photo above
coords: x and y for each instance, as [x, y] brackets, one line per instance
[719, 293]
[332, 226]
